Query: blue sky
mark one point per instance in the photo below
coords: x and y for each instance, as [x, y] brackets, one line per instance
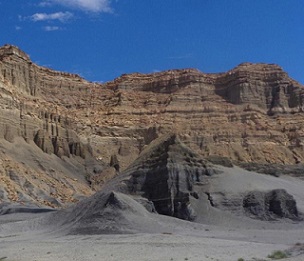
[102, 39]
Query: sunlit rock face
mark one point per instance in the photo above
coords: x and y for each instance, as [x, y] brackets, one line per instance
[252, 113]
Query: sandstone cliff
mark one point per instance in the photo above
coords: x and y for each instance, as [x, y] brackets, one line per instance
[252, 113]
[29, 118]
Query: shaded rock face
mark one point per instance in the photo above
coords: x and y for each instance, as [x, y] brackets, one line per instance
[66, 145]
[165, 174]
[271, 205]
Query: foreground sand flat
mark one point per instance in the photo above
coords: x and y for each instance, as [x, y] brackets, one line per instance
[136, 247]
[190, 241]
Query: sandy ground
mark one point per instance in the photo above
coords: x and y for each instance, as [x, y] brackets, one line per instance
[135, 247]
[189, 242]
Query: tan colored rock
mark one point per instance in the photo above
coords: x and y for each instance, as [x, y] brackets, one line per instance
[252, 113]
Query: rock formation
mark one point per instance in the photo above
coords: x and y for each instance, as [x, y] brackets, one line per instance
[271, 205]
[28, 108]
[103, 213]
[30, 119]
[259, 105]
[165, 174]
[168, 178]
[252, 113]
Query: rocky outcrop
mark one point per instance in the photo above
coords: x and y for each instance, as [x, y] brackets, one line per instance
[259, 106]
[271, 205]
[168, 178]
[19, 71]
[165, 174]
[161, 181]
[264, 85]
[28, 111]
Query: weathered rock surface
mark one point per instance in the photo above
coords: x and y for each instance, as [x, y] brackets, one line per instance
[165, 174]
[161, 181]
[271, 205]
[29, 176]
[128, 113]
[252, 113]
[28, 108]
[29, 118]
[170, 179]
[198, 105]
[264, 85]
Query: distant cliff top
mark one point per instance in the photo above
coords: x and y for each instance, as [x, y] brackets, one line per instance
[13, 50]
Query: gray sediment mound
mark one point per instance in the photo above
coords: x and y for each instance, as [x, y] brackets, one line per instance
[108, 212]
[170, 179]
[161, 181]
[103, 213]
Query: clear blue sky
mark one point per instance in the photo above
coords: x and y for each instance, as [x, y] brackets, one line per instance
[102, 39]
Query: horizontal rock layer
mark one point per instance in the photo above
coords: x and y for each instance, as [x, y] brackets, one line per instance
[252, 113]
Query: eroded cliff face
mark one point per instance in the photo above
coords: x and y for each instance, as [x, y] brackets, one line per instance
[30, 119]
[252, 113]
[265, 85]
[166, 174]
[29, 108]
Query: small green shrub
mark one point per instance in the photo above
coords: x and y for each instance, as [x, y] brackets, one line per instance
[241, 259]
[278, 255]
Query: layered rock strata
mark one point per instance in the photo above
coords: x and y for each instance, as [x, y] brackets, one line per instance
[252, 113]
[165, 174]
[29, 117]
[168, 178]
[226, 114]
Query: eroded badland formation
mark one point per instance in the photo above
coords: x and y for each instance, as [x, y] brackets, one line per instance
[145, 154]
[63, 137]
